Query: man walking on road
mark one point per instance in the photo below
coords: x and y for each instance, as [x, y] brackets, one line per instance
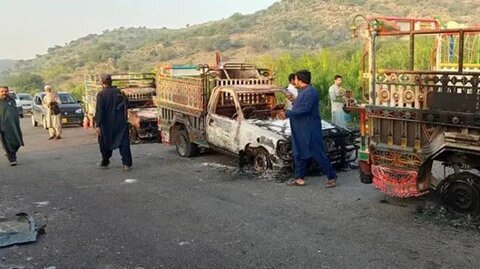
[10, 132]
[307, 138]
[112, 126]
[51, 103]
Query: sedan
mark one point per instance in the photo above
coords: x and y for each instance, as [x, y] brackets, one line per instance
[70, 110]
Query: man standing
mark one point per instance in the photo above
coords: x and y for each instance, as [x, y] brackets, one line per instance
[292, 92]
[51, 103]
[307, 138]
[10, 132]
[112, 126]
[336, 103]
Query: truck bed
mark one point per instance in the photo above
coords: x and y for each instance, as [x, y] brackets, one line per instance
[186, 95]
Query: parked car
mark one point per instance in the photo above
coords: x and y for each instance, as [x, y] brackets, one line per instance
[14, 96]
[71, 111]
[26, 100]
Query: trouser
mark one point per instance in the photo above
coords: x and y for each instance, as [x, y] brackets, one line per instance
[55, 126]
[55, 131]
[124, 149]
[321, 159]
[11, 154]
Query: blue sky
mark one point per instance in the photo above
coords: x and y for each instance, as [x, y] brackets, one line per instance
[29, 27]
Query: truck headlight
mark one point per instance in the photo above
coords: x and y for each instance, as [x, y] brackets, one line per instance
[284, 150]
[79, 111]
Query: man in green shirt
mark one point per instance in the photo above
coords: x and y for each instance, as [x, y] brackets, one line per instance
[10, 132]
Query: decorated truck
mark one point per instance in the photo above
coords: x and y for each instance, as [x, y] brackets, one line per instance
[420, 121]
[232, 109]
[140, 90]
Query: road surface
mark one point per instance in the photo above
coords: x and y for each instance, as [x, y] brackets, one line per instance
[172, 212]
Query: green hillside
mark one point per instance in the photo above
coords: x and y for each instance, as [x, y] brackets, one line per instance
[293, 26]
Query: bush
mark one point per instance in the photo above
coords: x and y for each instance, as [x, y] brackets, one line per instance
[25, 82]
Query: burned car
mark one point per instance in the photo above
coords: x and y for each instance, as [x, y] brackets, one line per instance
[234, 111]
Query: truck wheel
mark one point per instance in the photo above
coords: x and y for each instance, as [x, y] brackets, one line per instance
[261, 160]
[365, 178]
[34, 122]
[133, 134]
[184, 147]
[460, 193]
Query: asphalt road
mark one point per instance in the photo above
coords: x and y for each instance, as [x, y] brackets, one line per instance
[202, 213]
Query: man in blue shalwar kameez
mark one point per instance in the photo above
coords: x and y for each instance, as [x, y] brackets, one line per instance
[306, 126]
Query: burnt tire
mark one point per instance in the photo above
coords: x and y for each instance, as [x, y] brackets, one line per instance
[184, 147]
[261, 160]
[460, 193]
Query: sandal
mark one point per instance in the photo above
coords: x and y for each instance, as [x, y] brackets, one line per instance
[294, 182]
[331, 183]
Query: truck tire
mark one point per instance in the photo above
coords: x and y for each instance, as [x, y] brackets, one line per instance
[460, 193]
[133, 134]
[365, 178]
[184, 147]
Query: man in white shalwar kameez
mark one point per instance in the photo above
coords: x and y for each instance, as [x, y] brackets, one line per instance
[336, 103]
[52, 121]
[292, 92]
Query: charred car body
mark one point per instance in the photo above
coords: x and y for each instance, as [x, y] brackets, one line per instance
[140, 89]
[417, 117]
[233, 109]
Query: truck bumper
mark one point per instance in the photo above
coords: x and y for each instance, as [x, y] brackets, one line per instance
[396, 182]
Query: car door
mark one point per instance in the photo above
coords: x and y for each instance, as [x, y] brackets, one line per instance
[37, 109]
[223, 121]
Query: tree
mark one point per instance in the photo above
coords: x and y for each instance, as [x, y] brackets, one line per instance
[25, 81]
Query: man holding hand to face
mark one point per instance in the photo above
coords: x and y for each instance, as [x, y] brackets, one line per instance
[306, 126]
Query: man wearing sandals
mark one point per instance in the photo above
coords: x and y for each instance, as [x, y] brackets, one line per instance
[307, 138]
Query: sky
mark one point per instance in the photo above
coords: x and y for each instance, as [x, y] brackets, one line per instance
[30, 27]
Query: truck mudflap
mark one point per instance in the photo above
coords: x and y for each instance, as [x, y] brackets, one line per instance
[396, 182]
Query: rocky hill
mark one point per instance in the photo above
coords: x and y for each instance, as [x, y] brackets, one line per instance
[293, 26]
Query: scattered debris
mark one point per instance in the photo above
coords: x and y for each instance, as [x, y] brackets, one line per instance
[277, 176]
[19, 229]
[40, 204]
[221, 166]
[433, 211]
[130, 180]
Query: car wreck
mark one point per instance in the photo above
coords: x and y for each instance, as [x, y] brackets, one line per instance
[233, 109]
[139, 88]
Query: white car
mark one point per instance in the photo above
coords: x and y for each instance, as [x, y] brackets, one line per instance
[26, 100]
[14, 96]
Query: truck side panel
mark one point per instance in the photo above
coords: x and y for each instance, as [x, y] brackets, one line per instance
[182, 94]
